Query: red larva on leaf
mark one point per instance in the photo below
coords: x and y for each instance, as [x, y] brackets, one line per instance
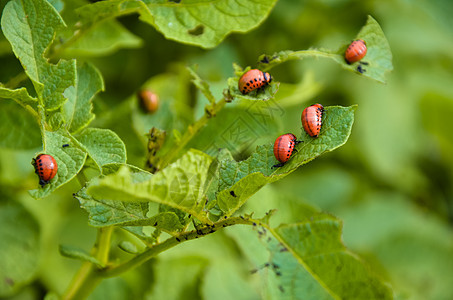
[46, 167]
[356, 51]
[312, 119]
[252, 80]
[149, 101]
[284, 147]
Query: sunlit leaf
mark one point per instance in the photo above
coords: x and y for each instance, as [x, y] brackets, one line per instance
[30, 27]
[239, 180]
[180, 185]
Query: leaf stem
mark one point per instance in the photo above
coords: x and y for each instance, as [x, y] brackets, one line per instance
[154, 250]
[88, 276]
[210, 111]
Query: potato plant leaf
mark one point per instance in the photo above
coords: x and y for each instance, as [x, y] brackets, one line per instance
[378, 57]
[104, 212]
[69, 160]
[309, 261]
[20, 95]
[205, 23]
[77, 110]
[103, 146]
[75, 253]
[179, 186]
[30, 27]
[200, 23]
[240, 180]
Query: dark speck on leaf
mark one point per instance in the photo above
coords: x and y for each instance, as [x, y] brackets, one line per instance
[232, 194]
[265, 60]
[175, 1]
[199, 30]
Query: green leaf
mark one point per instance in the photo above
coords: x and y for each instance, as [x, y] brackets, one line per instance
[265, 93]
[69, 160]
[74, 253]
[30, 27]
[103, 212]
[239, 180]
[19, 247]
[180, 185]
[91, 14]
[77, 110]
[309, 261]
[21, 96]
[103, 38]
[18, 128]
[103, 146]
[378, 57]
[205, 23]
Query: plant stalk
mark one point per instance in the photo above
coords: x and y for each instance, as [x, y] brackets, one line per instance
[88, 276]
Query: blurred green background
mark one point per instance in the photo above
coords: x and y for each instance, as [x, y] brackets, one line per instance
[391, 183]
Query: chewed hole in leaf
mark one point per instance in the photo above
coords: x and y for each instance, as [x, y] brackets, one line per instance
[199, 30]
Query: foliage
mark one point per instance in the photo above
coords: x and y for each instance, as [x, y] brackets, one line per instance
[202, 167]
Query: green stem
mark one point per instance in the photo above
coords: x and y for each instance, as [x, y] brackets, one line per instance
[88, 276]
[191, 131]
[154, 250]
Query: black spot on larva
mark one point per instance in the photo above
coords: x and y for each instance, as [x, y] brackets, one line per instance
[247, 84]
[251, 81]
[255, 80]
[199, 30]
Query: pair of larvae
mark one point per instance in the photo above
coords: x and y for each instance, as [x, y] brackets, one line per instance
[312, 123]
